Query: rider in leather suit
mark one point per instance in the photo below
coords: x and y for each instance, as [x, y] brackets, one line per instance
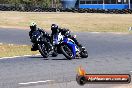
[55, 30]
[33, 27]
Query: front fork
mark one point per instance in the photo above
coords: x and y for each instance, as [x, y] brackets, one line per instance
[73, 46]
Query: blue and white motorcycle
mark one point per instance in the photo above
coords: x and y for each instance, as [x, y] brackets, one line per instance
[67, 47]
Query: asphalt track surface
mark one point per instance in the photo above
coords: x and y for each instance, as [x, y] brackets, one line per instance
[108, 53]
[14, 36]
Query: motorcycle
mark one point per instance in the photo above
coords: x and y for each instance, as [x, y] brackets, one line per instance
[67, 47]
[41, 42]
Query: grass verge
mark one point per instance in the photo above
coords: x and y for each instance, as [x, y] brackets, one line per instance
[91, 22]
[9, 50]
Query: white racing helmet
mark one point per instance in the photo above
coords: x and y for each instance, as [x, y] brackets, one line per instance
[33, 26]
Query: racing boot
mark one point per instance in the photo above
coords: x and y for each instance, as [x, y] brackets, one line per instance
[78, 55]
[34, 47]
[79, 45]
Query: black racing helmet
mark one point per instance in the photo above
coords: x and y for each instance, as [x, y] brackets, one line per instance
[33, 26]
[54, 28]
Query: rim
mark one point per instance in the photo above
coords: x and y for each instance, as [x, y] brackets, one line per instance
[44, 49]
[68, 50]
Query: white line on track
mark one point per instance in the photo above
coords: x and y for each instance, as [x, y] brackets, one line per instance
[118, 33]
[27, 83]
[1, 43]
[130, 71]
[95, 32]
[19, 56]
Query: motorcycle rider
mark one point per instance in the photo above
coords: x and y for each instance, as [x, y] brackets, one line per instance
[33, 27]
[56, 30]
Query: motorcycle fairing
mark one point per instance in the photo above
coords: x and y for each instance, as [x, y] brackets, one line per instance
[70, 44]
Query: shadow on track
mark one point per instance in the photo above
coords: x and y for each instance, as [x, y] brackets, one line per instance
[47, 58]
[60, 59]
[34, 57]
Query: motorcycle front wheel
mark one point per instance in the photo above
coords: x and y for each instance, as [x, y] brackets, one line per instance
[55, 53]
[67, 52]
[43, 49]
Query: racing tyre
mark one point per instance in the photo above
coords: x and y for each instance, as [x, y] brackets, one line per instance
[84, 54]
[67, 52]
[43, 49]
[55, 53]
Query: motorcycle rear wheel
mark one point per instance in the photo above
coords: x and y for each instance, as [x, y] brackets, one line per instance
[84, 54]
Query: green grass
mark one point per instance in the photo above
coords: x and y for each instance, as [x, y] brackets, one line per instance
[8, 50]
[74, 21]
